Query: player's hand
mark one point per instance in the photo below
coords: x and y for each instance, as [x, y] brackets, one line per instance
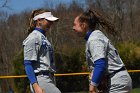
[39, 91]
[92, 89]
[37, 88]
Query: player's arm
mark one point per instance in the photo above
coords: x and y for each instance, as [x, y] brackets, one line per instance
[30, 71]
[99, 70]
[97, 48]
[30, 54]
[31, 76]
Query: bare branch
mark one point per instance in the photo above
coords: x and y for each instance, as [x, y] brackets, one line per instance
[4, 5]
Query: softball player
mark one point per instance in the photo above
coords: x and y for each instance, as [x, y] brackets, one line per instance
[38, 53]
[101, 55]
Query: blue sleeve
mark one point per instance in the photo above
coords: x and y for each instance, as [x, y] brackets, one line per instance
[99, 69]
[30, 71]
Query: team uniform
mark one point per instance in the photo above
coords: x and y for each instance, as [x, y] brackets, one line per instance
[100, 51]
[38, 56]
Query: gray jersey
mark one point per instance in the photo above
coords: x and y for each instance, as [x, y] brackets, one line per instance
[38, 49]
[99, 46]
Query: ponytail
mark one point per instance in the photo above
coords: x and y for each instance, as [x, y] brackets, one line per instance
[94, 18]
[32, 23]
[106, 24]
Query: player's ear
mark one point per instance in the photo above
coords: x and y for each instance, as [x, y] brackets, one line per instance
[83, 25]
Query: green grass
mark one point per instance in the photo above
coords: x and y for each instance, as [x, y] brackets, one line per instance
[136, 90]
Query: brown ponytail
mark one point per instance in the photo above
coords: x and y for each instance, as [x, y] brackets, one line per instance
[106, 24]
[93, 18]
[32, 23]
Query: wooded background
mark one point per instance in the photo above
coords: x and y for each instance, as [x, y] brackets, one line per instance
[69, 49]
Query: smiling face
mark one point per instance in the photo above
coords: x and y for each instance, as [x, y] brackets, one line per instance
[79, 28]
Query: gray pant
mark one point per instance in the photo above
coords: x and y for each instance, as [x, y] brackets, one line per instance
[47, 84]
[121, 82]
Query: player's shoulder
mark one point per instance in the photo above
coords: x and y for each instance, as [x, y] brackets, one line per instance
[34, 33]
[97, 33]
[98, 36]
[34, 36]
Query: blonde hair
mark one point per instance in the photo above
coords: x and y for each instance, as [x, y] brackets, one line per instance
[32, 23]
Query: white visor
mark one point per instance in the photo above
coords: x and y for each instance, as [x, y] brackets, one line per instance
[46, 15]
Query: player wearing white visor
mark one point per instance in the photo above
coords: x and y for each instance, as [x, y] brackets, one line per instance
[46, 15]
[38, 53]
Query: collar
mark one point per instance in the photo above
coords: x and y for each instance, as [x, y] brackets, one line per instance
[40, 30]
[87, 35]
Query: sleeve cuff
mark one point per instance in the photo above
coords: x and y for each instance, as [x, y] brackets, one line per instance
[33, 82]
[93, 83]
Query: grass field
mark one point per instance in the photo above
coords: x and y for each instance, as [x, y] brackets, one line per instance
[136, 90]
